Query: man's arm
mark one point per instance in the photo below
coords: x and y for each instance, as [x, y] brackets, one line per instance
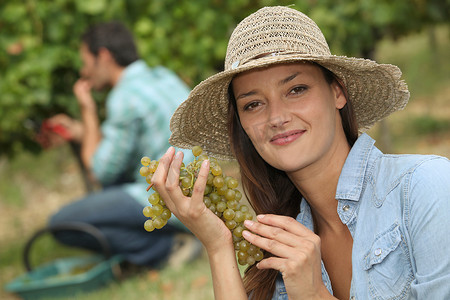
[91, 124]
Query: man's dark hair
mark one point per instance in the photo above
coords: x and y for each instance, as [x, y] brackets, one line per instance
[115, 37]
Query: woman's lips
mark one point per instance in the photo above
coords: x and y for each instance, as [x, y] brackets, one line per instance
[286, 137]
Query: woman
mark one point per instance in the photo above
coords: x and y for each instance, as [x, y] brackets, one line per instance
[336, 217]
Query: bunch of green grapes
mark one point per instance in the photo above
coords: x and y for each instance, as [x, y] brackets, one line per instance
[221, 196]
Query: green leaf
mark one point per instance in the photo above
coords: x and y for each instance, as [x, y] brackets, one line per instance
[93, 7]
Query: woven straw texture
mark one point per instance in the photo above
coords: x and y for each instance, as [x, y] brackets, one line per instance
[274, 35]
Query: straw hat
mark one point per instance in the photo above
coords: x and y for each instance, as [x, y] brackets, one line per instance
[275, 35]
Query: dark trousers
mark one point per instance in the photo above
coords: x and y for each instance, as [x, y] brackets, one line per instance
[119, 217]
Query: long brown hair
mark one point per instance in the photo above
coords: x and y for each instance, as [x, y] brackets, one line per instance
[268, 189]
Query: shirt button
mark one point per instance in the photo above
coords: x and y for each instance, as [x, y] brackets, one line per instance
[352, 298]
[346, 207]
[378, 252]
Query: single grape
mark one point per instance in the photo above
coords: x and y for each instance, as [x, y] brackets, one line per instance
[158, 222]
[183, 173]
[210, 179]
[244, 245]
[153, 198]
[197, 150]
[242, 261]
[230, 194]
[203, 157]
[248, 216]
[251, 249]
[222, 190]
[216, 170]
[148, 225]
[218, 181]
[236, 239]
[258, 255]
[231, 224]
[215, 198]
[157, 210]
[145, 161]
[233, 204]
[208, 189]
[239, 216]
[186, 182]
[152, 166]
[244, 208]
[144, 171]
[250, 260]
[238, 231]
[147, 212]
[166, 214]
[212, 207]
[229, 214]
[242, 255]
[232, 183]
[236, 246]
[207, 201]
[221, 206]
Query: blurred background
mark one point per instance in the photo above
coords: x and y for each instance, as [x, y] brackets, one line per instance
[39, 64]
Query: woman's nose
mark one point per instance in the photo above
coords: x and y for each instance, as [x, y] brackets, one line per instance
[278, 114]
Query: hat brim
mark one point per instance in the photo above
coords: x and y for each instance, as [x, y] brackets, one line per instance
[375, 91]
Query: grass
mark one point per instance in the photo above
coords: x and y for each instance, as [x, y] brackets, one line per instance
[32, 187]
[190, 282]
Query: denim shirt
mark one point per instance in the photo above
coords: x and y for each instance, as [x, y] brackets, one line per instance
[397, 209]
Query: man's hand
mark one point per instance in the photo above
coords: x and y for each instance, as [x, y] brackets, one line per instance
[73, 129]
[82, 91]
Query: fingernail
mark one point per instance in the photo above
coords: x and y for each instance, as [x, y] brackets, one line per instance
[245, 234]
[260, 217]
[178, 155]
[205, 163]
[248, 223]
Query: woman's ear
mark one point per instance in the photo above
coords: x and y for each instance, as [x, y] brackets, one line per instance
[339, 95]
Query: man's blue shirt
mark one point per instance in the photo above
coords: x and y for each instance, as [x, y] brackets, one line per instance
[138, 112]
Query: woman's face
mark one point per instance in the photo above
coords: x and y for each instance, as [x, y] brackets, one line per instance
[291, 114]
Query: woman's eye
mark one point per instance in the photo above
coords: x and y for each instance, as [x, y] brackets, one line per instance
[297, 90]
[251, 105]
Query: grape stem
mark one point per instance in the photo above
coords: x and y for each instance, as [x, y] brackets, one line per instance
[149, 187]
[192, 177]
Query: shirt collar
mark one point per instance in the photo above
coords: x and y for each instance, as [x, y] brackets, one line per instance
[133, 69]
[351, 180]
[305, 216]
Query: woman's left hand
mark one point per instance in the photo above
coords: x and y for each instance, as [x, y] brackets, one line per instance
[296, 251]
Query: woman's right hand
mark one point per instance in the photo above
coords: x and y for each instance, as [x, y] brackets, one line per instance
[191, 211]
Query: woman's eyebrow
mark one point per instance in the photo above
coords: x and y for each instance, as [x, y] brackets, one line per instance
[289, 78]
[245, 95]
[281, 82]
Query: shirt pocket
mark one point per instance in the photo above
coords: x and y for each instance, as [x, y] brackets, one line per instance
[388, 266]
